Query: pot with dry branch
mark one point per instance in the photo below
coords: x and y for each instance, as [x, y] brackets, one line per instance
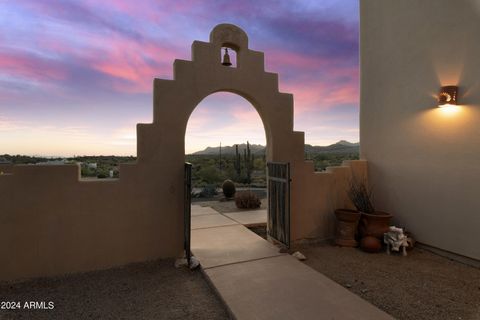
[372, 223]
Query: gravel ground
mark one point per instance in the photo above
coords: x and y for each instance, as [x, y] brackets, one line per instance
[419, 286]
[152, 290]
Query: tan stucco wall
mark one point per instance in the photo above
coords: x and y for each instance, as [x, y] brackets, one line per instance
[51, 222]
[424, 163]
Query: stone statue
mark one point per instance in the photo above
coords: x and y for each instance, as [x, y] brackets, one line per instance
[396, 239]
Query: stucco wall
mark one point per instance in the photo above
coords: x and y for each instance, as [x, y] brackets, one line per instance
[424, 161]
[52, 223]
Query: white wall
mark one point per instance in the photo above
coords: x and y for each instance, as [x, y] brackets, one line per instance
[424, 161]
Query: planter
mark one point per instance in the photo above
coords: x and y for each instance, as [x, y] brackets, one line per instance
[370, 244]
[346, 227]
[374, 225]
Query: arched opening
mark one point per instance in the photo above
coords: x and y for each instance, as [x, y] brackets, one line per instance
[225, 140]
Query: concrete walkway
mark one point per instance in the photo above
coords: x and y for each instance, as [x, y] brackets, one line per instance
[258, 282]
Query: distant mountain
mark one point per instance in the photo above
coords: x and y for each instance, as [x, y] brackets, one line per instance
[254, 148]
[346, 143]
[341, 146]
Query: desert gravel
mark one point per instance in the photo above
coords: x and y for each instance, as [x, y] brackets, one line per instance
[419, 286]
[152, 290]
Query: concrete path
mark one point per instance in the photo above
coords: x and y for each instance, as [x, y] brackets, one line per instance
[249, 218]
[258, 282]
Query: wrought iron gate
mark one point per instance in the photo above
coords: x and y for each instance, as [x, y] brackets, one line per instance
[279, 201]
[187, 210]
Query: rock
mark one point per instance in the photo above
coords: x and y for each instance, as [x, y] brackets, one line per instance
[194, 263]
[348, 285]
[299, 256]
[180, 262]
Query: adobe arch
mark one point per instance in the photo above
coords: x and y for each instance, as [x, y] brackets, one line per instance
[160, 145]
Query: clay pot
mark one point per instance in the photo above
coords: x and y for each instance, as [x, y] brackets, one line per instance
[346, 227]
[374, 225]
[370, 244]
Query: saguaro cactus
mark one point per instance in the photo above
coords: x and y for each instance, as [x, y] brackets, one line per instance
[236, 164]
[244, 165]
[248, 160]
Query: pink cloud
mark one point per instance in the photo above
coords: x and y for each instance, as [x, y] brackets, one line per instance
[134, 64]
[149, 10]
[281, 59]
[321, 94]
[245, 114]
[31, 66]
[316, 81]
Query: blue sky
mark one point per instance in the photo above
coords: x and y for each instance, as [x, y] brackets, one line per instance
[76, 76]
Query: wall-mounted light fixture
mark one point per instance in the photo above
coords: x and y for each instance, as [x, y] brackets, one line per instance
[448, 96]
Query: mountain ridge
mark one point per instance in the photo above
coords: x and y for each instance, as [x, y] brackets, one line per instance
[341, 146]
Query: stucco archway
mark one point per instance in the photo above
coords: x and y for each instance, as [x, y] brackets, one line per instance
[175, 100]
[160, 144]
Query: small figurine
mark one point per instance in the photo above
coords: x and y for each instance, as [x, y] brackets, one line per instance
[396, 239]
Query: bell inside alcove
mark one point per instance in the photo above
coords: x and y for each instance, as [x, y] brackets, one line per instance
[229, 57]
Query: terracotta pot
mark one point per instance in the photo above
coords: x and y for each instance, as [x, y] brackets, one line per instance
[346, 227]
[370, 244]
[374, 225]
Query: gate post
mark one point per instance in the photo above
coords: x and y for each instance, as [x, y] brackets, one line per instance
[187, 211]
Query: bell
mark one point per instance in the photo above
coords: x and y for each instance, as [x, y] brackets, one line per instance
[226, 59]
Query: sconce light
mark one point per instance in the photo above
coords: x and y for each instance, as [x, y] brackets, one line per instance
[447, 96]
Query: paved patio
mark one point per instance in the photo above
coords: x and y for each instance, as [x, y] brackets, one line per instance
[258, 282]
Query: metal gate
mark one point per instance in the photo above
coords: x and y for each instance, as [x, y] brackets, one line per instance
[187, 210]
[279, 201]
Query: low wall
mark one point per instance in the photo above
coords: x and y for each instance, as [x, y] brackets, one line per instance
[316, 195]
[52, 222]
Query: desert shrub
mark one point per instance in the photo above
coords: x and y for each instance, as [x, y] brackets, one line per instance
[247, 200]
[228, 188]
[209, 175]
[208, 191]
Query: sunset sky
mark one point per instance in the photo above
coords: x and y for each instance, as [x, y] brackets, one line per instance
[76, 76]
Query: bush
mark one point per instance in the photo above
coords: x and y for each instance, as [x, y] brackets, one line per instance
[209, 175]
[247, 200]
[208, 191]
[228, 188]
